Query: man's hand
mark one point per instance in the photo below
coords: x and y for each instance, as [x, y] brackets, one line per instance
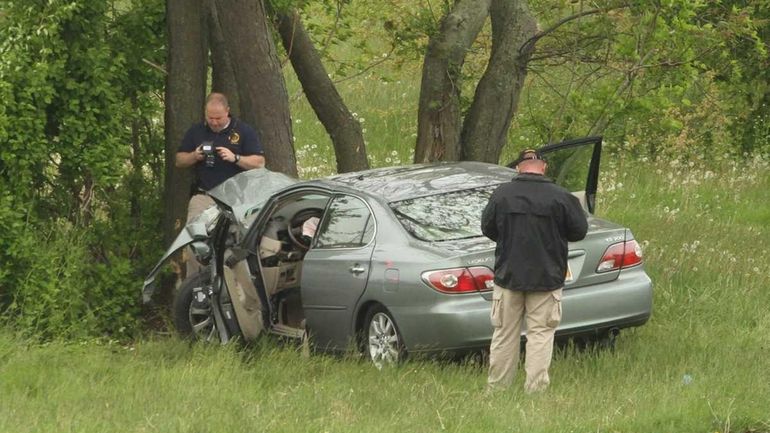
[226, 154]
[188, 159]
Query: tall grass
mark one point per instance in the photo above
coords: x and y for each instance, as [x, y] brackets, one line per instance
[699, 365]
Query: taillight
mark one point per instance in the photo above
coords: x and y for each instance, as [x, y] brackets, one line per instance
[619, 256]
[460, 280]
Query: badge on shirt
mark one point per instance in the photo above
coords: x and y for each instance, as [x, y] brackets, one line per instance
[235, 138]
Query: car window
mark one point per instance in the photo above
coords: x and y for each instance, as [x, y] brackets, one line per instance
[444, 217]
[569, 167]
[348, 224]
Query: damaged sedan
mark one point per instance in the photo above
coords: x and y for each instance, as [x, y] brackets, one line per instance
[389, 261]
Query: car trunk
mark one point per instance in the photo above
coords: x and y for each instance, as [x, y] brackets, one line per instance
[583, 256]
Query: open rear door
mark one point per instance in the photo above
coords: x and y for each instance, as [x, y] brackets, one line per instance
[574, 164]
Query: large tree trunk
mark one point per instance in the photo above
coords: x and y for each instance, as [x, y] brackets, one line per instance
[438, 116]
[185, 95]
[222, 74]
[486, 125]
[342, 127]
[264, 102]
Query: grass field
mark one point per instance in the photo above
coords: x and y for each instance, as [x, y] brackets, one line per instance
[700, 365]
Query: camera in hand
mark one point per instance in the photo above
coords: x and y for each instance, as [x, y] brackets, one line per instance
[208, 152]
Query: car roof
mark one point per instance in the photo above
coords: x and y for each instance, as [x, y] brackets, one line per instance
[419, 180]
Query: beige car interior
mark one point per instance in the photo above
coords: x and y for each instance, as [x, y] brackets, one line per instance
[281, 251]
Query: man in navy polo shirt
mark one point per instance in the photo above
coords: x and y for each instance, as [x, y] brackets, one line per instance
[235, 146]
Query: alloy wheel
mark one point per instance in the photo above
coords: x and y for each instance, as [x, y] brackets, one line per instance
[201, 317]
[383, 340]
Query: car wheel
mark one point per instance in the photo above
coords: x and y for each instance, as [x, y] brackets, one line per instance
[383, 340]
[193, 316]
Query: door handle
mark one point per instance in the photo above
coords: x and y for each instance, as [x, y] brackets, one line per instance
[357, 269]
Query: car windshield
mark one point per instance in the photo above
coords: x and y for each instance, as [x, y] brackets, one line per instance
[444, 217]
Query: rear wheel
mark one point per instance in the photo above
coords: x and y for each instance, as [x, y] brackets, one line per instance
[193, 315]
[383, 340]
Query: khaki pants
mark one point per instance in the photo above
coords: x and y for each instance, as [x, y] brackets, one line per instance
[198, 203]
[543, 314]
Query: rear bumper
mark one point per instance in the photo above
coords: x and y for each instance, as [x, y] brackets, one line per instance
[457, 323]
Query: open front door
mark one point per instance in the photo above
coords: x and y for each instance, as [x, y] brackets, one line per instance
[574, 164]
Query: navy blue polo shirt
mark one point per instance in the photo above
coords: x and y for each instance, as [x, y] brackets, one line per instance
[239, 137]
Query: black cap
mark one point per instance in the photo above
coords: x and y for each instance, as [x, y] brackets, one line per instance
[527, 154]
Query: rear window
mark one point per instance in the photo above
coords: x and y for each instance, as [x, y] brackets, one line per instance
[444, 217]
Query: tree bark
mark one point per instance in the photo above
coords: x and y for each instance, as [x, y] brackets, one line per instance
[264, 101]
[342, 127]
[485, 129]
[438, 116]
[185, 95]
[222, 74]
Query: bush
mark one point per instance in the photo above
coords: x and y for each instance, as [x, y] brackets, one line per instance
[57, 288]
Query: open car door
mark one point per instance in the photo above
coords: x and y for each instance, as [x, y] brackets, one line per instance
[574, 164]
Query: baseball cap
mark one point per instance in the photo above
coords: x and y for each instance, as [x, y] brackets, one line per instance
[527, 154]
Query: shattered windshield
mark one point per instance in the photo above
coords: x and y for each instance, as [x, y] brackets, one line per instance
[444, 217]
[246, 192]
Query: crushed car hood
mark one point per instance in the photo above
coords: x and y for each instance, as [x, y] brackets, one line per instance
[245, 193]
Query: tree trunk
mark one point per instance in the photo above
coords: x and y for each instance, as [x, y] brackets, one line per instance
[222, 74]
[185, 95]
[486, 125]
[342, 127]
[438, 116]
[264, 101]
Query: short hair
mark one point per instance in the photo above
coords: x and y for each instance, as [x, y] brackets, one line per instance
[218, 99]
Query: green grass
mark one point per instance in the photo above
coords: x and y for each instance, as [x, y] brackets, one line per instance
[705, 238]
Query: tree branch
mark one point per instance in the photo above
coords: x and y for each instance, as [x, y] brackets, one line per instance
[156, 66]
[541, 34]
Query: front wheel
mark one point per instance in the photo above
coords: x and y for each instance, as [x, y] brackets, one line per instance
[383, 339]
[193, 313]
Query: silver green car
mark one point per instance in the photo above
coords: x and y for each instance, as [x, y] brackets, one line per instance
[389, 261]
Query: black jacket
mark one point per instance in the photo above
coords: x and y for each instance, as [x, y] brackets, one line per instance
[532, 219]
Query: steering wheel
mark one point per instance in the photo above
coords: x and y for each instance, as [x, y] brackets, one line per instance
[295, 226]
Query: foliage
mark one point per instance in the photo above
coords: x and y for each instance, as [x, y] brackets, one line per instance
[650, 77]
[80, 162]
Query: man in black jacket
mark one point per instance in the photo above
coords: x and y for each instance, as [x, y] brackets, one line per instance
[531, 219]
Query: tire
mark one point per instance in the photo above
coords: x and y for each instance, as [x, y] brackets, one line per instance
[193, 316]
[382, 339]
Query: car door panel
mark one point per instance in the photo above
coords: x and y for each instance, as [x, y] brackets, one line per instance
[336, 269]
